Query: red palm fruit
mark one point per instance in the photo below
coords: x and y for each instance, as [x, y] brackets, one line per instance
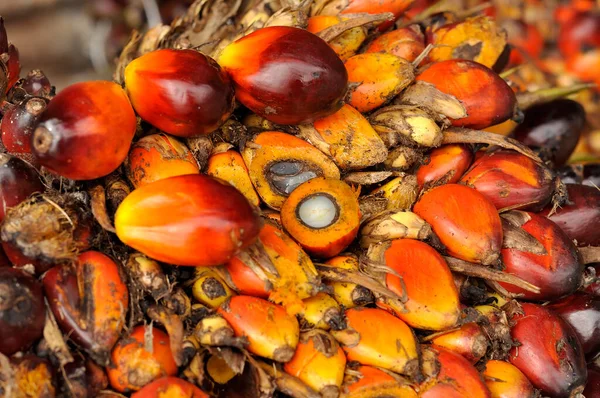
[592, 388]
[362, 340]
[156, 157]
[18, 124]
[86, 131]
[407, 43]
[311, 79]
[172, 387]
[554, 127]
[22, 310]
[487, 98]
[181, 92]
[580, 216]
[371, 382]
[213, 219]
[89, 301]
[469, 341]
[245, 280]
[582, 312]
[505, 380]
[579, 34]
[525, 39]
[140, 358]
[511, 180]
[557, 273]
[396, 7]
[416, 265]
[449, 374]
[445, 164]
[271, 332]
[585, 65]
[549, 353]
[466, 222]
[18, 180]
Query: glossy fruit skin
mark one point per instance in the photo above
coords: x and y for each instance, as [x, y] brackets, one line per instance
[86, 131]
[550, 355]
[94, 316]
[582, 312]
[511, 180]
[214, 220]
[580, 217]
[37, 84]
[311, 79]
[554, 127]
[271, 332]
[22, 313]
[469, 341]
[230, 166]
[245, 280]
[466, 222]
[396, 7]
[507, 381]
[487, 98]
[18, 180]
[592, 388]
[181, 92]
[423, 309]
[556, 273]
[169, 386]
[156, 157]
[445, 164]
[132, 367]
[406, 43]
[17, 126]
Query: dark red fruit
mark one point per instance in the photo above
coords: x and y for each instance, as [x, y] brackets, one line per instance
[22, 310]
[579, 218]
[18, 124]
[582, 312]
[18, 180]
[37, 84]
[554, 128]
[592, 388]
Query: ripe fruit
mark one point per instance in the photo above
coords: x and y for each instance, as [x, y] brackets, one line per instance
[311, 79]
[18, 124]
[214, 221]
[18, 180]
[407, 43]
[86, 131]
[445, 164]
[181, 92]
[505, 380]
[170, 387]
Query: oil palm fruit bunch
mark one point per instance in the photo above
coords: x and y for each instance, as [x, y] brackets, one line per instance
[329, 198]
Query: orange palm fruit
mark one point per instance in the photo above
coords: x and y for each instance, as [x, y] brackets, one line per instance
[270, 331]
[286, 272]
[228, 165]
[511, 180]
[505, 380]
[214, 220]
[279, 162]
[311, 79]
[557, 272]
[505, 128]
[334, 7]
[549, 353]
[181, 92]
[347, 137]
[477, 39]
[346, 44]
[378, 77]
[156, 157]
[466, 222]
[487, 98]
[364, 342]
[469, 341]
[349, 294]
[172, 387]
[86, 130]
[90, 301]
[390, 225]
[416, 266]
[371, 382]
[450, 375]
[133, 366]
[444, 165]
[407, 43]
[319, 362]
[321, 311]
[323, 215]
[209, 289]
[245, 280]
